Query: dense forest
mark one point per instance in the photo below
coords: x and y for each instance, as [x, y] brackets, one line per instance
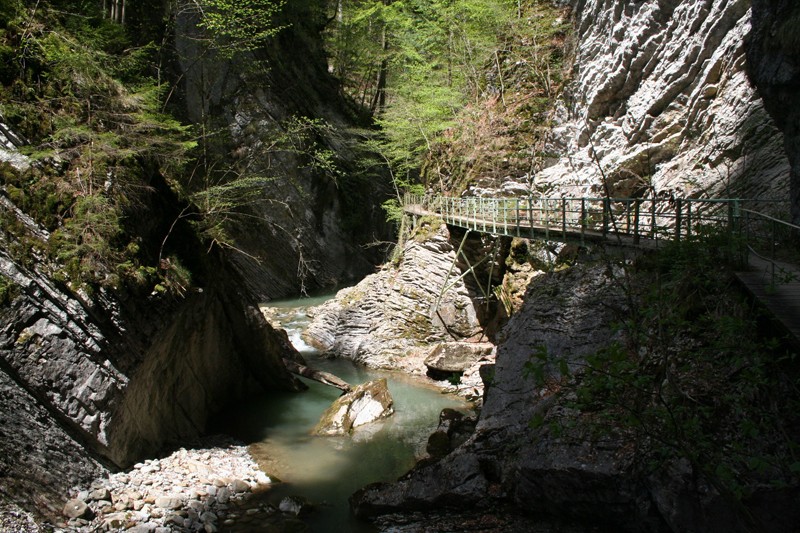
[95, 93]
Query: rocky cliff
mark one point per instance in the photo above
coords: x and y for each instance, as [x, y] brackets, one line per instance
[660, 102]
[282, 116]
[95, 376]
[562, 456]
[773, 62]
[104, 380]
[663, 101]
[391, 318]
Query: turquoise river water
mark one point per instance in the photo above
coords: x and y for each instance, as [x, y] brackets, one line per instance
[327, 470]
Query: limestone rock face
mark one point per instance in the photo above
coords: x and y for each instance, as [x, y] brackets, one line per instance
[364, 404]
[457, 356]
[567, 313]
[89, 382]
[661, 100]
[543, 473]
[773, 59]
[389, 318]
[9, 144]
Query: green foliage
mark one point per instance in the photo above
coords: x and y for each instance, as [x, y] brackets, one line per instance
[84, 244]
[8, 291]
[240, 25]
[692, 377]
[81, 94]
[415, 63]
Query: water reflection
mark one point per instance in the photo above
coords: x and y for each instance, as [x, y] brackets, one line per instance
[327, 470]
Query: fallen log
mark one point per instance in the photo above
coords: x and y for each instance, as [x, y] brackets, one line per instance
[326, 378]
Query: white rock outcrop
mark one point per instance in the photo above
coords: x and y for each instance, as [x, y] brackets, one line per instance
[661, 101]
[365, 404]
[390, 318]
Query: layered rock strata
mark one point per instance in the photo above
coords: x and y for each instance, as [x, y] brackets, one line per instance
[660, 103]
[102, 387]
[523, 460]
[391, 319]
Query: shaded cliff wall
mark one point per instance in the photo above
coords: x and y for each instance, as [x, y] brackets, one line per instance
[773, 55]
[310, 225]
[109, 378]
[661, 101]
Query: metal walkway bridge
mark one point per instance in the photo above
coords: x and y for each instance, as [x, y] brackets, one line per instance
[636, 221]
[770, 246]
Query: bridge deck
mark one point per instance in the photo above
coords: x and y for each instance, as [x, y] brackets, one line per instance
[781, 299]
[774, 284]
[526, 230]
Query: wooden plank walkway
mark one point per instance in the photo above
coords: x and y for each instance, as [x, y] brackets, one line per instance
[781, 299]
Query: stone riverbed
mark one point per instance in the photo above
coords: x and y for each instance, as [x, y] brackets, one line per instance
[193, 489]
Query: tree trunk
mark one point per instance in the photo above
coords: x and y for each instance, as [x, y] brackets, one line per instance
[317, 375]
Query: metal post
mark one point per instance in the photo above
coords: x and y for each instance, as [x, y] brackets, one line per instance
[636, 206]
[678, 219]
[583, 220]
[606, 214]
[653, 217]
[505, 217]
[628, 216]
[494, 205]
[564, 217]
[530, 214]
[546, 219]
[517, 217]
[688, 219]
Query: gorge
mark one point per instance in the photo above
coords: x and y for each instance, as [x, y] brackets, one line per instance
[134, 256]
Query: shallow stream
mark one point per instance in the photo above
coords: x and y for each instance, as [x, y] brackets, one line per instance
[327, 470]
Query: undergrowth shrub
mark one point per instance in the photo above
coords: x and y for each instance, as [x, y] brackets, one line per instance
[695, 376]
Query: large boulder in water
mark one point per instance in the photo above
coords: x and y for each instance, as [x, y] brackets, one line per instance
[366, 403]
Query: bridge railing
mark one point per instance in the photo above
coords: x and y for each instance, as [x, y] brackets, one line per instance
[659, 218]
[773, 240]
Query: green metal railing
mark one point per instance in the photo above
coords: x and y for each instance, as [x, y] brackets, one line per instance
[773, 240]
[635, 219]
[570, 218]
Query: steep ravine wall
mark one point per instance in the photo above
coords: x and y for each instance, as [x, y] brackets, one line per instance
[660, 100]
[96, 381]
[107, 385]
[773, 61]
[311, 231]
[663, 101]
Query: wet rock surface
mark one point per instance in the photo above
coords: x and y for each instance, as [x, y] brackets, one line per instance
[391, 319]
[457, 356]
[507, 462]
[365, 404]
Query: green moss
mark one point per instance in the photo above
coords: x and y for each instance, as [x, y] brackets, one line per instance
[8, 291]
[426, 227]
